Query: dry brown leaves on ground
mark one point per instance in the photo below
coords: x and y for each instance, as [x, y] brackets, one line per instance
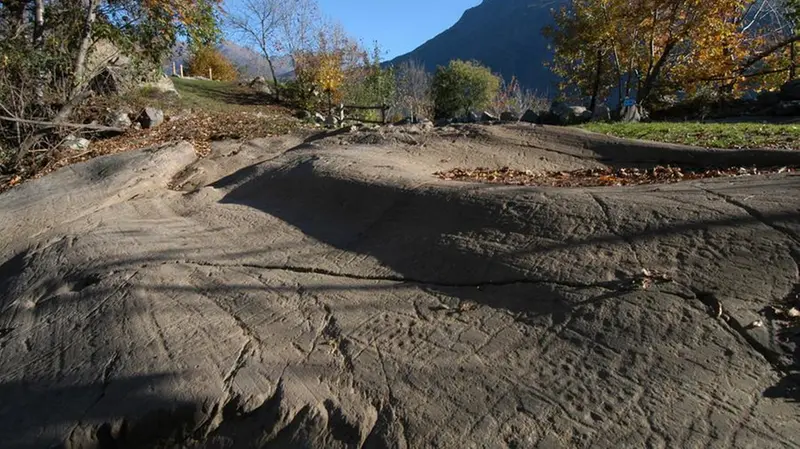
[200, 128]
[597, 176]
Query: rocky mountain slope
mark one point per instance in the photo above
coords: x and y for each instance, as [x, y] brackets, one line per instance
[503, 34]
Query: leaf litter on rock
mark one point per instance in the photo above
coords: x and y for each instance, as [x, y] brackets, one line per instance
[596, 177]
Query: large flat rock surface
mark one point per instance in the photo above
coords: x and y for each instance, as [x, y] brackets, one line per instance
[333, 293]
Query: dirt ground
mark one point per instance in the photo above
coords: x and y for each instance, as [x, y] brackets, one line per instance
[329, 290]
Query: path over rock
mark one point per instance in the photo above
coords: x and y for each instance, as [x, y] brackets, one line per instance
[333, 293]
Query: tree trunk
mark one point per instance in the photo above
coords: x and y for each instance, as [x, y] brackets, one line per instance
[654, 74]
[76, 94]
[38, 25]
[274, 78]
[38, 42]
[596, 88]
[79, 70]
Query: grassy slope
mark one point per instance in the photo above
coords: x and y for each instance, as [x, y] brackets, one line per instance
[710, 135]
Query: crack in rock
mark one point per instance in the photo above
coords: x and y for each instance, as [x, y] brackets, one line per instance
[608, 285]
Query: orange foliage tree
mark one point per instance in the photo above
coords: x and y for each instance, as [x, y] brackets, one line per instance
[654, 47]
[205, 58]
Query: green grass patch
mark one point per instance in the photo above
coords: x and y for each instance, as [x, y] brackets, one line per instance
[708, 135]
[218, 95]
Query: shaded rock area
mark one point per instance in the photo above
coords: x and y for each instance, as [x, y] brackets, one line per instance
[328, 291]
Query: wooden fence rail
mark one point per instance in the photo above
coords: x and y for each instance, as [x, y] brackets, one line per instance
[383, 108]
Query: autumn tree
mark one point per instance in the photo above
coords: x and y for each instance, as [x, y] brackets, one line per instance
[207, 60]
[655, 46]
[463, 86]
[274, 27]
[49, 52]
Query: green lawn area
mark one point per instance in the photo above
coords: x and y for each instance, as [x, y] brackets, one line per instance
[709, 135]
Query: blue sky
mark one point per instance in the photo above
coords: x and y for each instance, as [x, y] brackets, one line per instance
[399, 26]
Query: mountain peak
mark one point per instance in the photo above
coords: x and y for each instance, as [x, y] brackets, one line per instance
[504, 35]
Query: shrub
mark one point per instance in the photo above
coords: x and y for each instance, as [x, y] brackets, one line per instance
[413, 96]
[512, 97]
[463, 86]
[369, 84]
[207, 57]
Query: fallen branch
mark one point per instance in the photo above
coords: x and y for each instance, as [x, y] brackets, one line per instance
[43, 124]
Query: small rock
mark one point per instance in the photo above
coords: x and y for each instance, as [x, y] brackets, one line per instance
[151, 117]
[120, 119]
[794, 312]
[509, 116]
[425, 124]
[530, 117]
[75, 143]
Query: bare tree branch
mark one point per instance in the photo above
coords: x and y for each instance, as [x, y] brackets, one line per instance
[50, 125]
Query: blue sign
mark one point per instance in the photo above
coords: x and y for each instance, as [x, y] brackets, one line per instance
[629, 102]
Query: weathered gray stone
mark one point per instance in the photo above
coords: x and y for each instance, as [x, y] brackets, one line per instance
[75, 143]
[530, 117]
[120, 119]
[487, 116]
[509, 116]
[261, 85]
[150, 117]
[328, 296]
[569, 115]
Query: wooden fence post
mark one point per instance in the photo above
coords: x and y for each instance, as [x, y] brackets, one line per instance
[210, 74]
[181, 70]
[174, 69]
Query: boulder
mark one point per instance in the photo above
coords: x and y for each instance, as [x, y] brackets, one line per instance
[633, 114]
[260, 84]
[509, 116]
[488, 117]
[530, 117]
[602, 113]
[120, 119]
[164, 86]
[443, 122]
[150, 117]
[788, 108]
[426, 124]
[791, 90]
[569, 115]
[75, 143]
[767, 98]
[303, 114]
